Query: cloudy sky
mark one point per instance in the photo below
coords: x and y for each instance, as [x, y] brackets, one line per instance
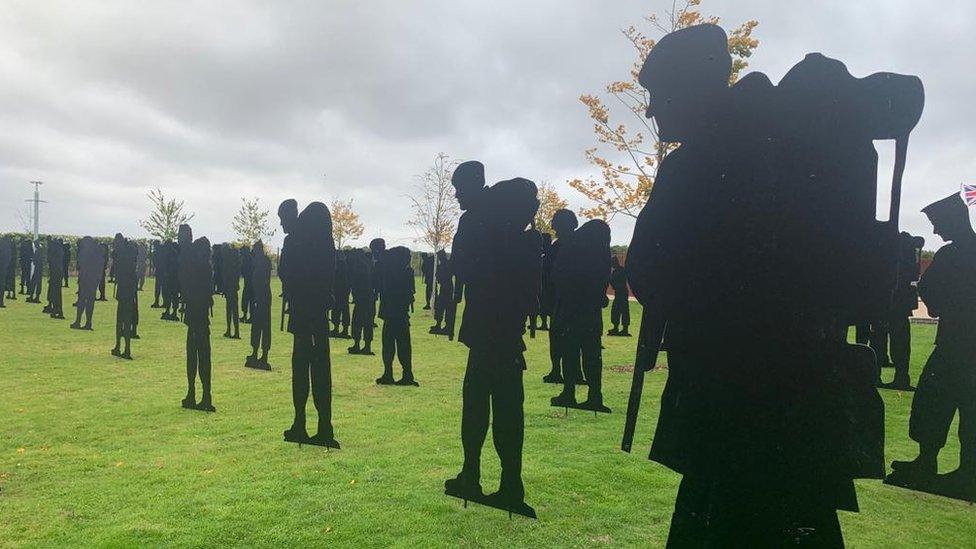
[103, 100]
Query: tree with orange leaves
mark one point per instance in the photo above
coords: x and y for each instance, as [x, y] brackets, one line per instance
[549, 202]
[626, 179]
[345, 222]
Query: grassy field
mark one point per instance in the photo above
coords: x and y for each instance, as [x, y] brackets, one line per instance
[96, 451]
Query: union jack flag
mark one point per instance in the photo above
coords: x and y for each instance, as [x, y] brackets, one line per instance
[969, 194]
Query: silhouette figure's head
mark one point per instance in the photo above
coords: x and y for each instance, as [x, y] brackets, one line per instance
[398, 257]
[442, 255]
[950, 218]
[564, 222]
[468, 180]
[377, 246]
[258, 248]
[687, 75]
[288, 214]
[185, 235]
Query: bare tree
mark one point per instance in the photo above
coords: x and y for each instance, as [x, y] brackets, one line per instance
[251, 222]
[435, 211]
[166, 216]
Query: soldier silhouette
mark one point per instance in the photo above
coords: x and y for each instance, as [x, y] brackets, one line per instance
[494, 256]
[377, 249]
[360, 268]
[545, 310]
[65, 262]
[142, 258]
[308, 275]
[904, 301]
[755, 248]
[11, 272]
[427, 271]
[398, 294]
[445, 306]
[156, 255]
[620, 309]
[6, 259]
[948, 380]
[90, 262]
[126, 285]
[260, 280]
[564, 222]
[171, 277]
[230, 287]
[56, 276]
[38, 262]
[196, 287]
[580, 278]
[101, 280]
[288, 216]
[340, 311]
[218, 268]
[247, 294]
[26, 257]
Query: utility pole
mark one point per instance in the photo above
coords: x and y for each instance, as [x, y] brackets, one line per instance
[37, 201]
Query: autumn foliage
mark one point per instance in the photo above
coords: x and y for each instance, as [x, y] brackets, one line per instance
[628, 159]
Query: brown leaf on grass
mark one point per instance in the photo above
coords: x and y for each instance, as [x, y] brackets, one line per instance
[21, 450]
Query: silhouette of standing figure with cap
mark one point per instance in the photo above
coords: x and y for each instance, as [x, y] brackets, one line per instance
[564, 223]
[398, 295]
[196, 287]
[948, 381]
[620, 308]
[496, 259]
[126, 287]
[260, 307]
[307, 271]
[90, 261]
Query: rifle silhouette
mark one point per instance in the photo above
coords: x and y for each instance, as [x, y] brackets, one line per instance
[648, 346]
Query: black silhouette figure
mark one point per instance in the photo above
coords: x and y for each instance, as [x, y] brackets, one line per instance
[38, 262]
[341, 292]
[427, 271]
[101, 281]
[445, 304]
[896, 328]
[377, 249]
[158, 270]
[56, 274]
[196, 287]
[247, 293]
[496, 258]
[10, 284]
[580, 277]
[169, 260]
[65, 262]
[758, 247]
[620, 308]
[91, 260]
[360, 268]
[7, 258]
[288, 216]
[218, 267]
[564, 223]
[540, 321]
[307, 269]
[260, 308]
[26, 258]
[398, 295]
[142, 258]
[125, 255]
[230, 286]
[948, 380]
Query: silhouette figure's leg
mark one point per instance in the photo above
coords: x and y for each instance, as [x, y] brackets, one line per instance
[405, 352]
[265, 324]
[508, 427]
[368, 328]
[191, 369]
[321, 376]
[901, 349]
[388, 340]
[475, 411]
[569, 346]
[932, 412]
[625, 315]
[301, 359]
[450, 318]
[593, 365]
[235, 314]
[555, 354]
[203, 352]
[357, 328]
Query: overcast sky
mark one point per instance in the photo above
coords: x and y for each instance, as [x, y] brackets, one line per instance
[315, 100]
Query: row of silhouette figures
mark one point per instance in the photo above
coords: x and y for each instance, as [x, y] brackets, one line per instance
[756, 253]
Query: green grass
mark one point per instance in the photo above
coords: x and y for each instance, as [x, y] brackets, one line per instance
[96, 451]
